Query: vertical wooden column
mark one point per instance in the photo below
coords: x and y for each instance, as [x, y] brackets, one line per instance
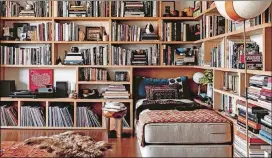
[46, 114]
[75, 114]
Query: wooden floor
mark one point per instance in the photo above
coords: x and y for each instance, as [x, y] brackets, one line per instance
[125, 147]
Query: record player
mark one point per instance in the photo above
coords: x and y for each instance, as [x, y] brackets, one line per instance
[23, 94]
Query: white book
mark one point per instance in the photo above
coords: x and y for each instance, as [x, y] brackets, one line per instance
[56, 31]
[105, 55]
[154, 8]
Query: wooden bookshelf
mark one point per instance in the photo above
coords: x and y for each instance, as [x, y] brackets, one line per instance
[263, 29]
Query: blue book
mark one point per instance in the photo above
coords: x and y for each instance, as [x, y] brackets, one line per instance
[266, 136]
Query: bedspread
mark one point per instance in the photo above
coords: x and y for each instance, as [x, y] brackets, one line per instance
[175, 116]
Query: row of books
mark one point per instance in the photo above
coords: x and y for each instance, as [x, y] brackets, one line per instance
[59, 116]
[14, 9]
[66, 31]
[10, 55]
[93, 74]
[211, 25]
[124, 32]
[175, 56]
[86, 117]
[95, 56]
[200, 56]
[116, 92]
[237, 25]
[85, 9]
[9, 114]
[217, 55]
[134, 9]
[32, 115]
[179, 31]
[123, 56]
[231, 82]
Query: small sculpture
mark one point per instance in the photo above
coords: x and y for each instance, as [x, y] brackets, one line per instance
[81, 36]
[149, 28]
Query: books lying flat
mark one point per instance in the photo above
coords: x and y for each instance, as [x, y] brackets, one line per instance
[86, 117]
[266, 136]
[32, 115]
[9, 115]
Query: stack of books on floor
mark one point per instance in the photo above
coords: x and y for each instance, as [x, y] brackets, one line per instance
[116, 92]
[59, 116]
[95, 56]
[32, 115]
[124, 32]
[211, 25]
[86, 117]
[255, 114]
[11, 55]
[124, 56]
[217, 55]
[125, 123]
[265, 98]
[93, 74]
[134, 8]
[257, 147]
[231, 82]
[266, 128]
[9, 114]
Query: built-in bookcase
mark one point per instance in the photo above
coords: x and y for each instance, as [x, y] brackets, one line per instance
[260, 33]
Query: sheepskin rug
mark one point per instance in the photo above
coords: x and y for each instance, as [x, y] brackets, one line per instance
[69, 144]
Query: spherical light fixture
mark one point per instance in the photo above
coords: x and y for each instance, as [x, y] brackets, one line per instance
[197, 76]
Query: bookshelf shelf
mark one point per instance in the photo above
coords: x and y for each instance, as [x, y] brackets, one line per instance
[81, 42]
[26, 18]
[135, 42]
[81, 18]
[26, 42]
[234, 121]
[211, 10]
[135, 18]
[227, 93]
[102, 82]
[178, 18]
[177, 42]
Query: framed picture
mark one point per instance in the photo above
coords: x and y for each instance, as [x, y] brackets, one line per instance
[197, 6]
[40, 78]
[21, 30]
[94, 33]
[168, 6]
[121, 76]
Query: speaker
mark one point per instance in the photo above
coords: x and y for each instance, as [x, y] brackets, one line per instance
[7, 86]
[61, 89]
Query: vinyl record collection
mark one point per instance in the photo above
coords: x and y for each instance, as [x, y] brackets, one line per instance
[59, 115]
[86, 117]
[95, 56]
[9, 114]
[123, 56]
[11, 55]
[93, 74]
[32, 115]
[134, 8]
[116, 92]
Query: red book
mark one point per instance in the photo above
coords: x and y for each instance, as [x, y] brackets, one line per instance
[244, 104]
[250, 123]
[252, 140]
[40, 78]
[266, 93]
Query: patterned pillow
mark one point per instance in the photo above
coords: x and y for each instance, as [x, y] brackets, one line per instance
[183, 86]
[155, 92]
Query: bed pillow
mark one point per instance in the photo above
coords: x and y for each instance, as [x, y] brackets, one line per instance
[155, 92]
[184, 89]
[150, 81]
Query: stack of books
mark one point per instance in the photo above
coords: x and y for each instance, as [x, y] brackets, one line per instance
[124, 32]
[255, 114]
[149, 37]
[10, 55]
[266, 128]
[211, 25]
[124, 56]
[32, 115]
[93, 74]
[116, 92]
[266, 93]
[95, 55]
[134, 9]
[217, 55]
[9, 114]
[257, 146]
[60, 116]
[66, 31]
[73, 58]
[77, 11]
[231, 82]
[86, 117]
[27, 13]
[179, 31]
[253, 92]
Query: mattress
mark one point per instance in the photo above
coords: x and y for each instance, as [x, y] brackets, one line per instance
[187, 133]
[186, 151]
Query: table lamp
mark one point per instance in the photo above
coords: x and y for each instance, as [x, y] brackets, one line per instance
[197, 76]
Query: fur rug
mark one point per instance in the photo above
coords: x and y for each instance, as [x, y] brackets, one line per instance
[70, 144]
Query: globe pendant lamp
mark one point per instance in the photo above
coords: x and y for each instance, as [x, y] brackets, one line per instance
[241, 11]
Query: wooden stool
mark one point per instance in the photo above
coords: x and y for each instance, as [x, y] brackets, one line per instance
[117, 118]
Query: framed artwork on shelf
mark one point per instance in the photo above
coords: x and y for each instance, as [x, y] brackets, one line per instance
[40, 78]
[94, 33]
[167, 7]
[197, 8]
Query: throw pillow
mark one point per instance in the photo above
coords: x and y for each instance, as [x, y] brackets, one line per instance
[150, 81]
[183, 82]
[161, 92]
